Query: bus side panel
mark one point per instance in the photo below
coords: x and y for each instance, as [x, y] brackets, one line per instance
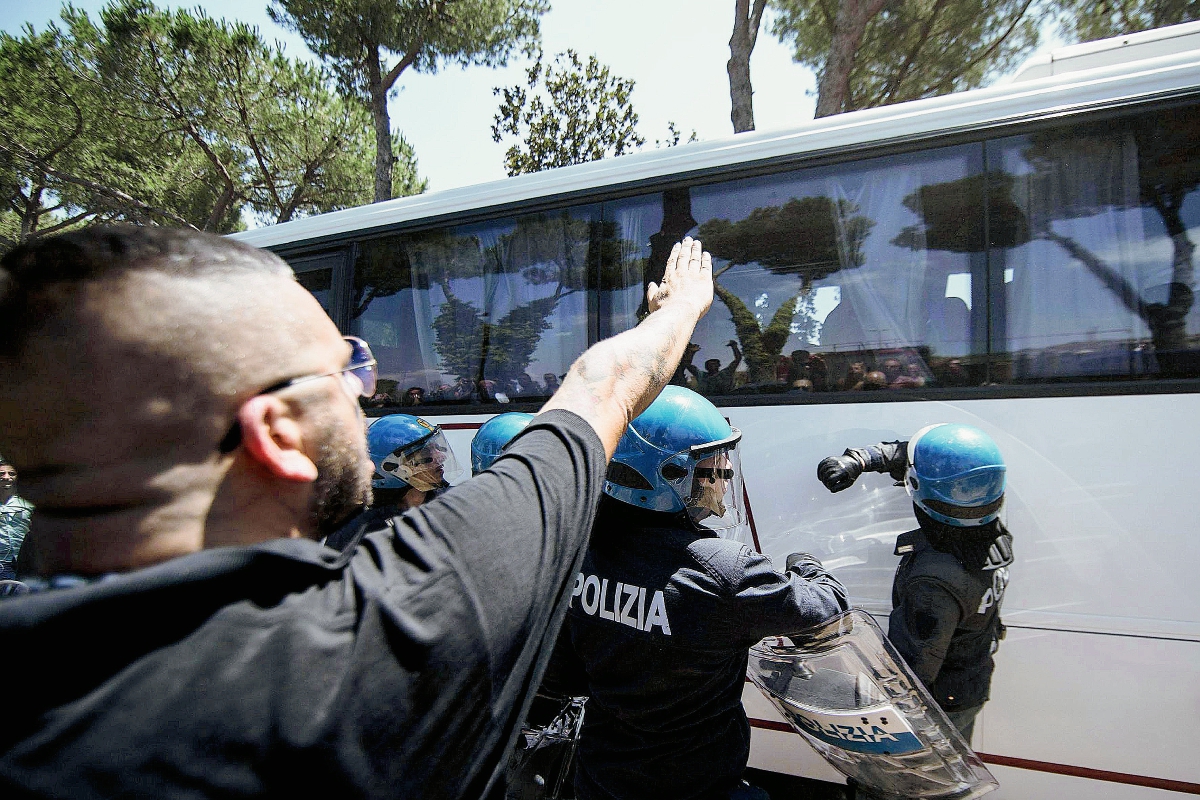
[1098, 669]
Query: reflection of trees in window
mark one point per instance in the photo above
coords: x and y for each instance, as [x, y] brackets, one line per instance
[1167, 147]
[541, 250]
[468, 344]
[1168, 168]
[809, 237]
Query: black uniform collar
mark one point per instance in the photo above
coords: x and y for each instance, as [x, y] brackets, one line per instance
[970, 554]
[613, 513]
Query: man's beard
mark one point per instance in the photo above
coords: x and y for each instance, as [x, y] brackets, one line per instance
[343, 484]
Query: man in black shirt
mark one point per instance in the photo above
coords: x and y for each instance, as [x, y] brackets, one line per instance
[204, 436]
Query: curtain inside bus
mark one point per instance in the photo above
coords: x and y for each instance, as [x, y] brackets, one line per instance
[825, 278]
[1096, 250]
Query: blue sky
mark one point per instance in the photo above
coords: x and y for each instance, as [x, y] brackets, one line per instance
[674, 49]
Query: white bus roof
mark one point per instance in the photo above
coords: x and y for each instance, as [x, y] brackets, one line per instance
[1119, 50]
[920, 119]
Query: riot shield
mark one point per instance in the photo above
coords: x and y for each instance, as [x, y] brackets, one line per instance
[846, 690]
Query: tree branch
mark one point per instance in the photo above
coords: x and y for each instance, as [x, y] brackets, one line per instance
[116, 195]
[401, 65]
[889, 92]
[996, 44]
[65, 223]
[756, 14]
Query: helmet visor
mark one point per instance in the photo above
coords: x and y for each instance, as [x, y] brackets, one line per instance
[708, 481]
[425, 465]
[715, 499]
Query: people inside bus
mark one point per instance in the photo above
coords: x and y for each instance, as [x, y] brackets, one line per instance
[955, 374]
[15, 515]
[873, 381]
[526, 386]
[852, 381]
[462, 390]
[213, 437]
[716, 380]
[550, 382]
[665, 609]
[911, 376]
[818, 372]
[414, 396]
[783, 368]
[892, 369]
[953, 569]
[798, 366]
[493, 436]
[686, 373]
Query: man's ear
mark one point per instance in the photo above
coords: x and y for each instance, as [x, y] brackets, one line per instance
[273, 438]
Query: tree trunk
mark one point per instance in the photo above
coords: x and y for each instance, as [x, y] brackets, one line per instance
[848, 29]
[741, 45]
[384, 158]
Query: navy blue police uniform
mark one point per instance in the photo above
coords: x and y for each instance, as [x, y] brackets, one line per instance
[658, 629]
[945, 618]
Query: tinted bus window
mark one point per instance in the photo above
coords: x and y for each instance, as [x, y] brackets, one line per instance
[1094, 228]
[486, 313]
[321, 274]
[828, 279]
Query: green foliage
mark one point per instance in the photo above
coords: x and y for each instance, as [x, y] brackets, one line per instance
[761, 346]
[674, 135]
[429, 33]
[470, 346]
[357, 36]
[811, 237]
[1087, 20]
[570, 113]
[171, 117]
[917, 48]
[1166, 146]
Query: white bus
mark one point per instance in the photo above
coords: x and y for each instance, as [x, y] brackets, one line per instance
[1019, 258]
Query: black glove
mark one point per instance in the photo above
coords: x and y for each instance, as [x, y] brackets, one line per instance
[839, 472]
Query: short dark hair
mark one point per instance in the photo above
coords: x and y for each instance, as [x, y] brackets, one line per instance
[30, 272]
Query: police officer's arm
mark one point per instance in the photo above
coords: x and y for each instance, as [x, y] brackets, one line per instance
[840, 472]
[922, 626]
[764, 602]
[616, 379]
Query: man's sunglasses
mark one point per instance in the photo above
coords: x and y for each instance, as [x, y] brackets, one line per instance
[359, 375]
[712, 473]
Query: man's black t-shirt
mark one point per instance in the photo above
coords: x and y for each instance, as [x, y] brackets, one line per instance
[398, 668]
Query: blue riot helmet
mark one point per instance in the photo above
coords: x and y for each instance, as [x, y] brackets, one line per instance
[956, 474]
[680, 454]
[409, 452]
[491, 439]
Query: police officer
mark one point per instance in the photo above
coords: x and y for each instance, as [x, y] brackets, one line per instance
[665, 609]
[413, 461]
[413, 464]
[492, 437]
[953, 570]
